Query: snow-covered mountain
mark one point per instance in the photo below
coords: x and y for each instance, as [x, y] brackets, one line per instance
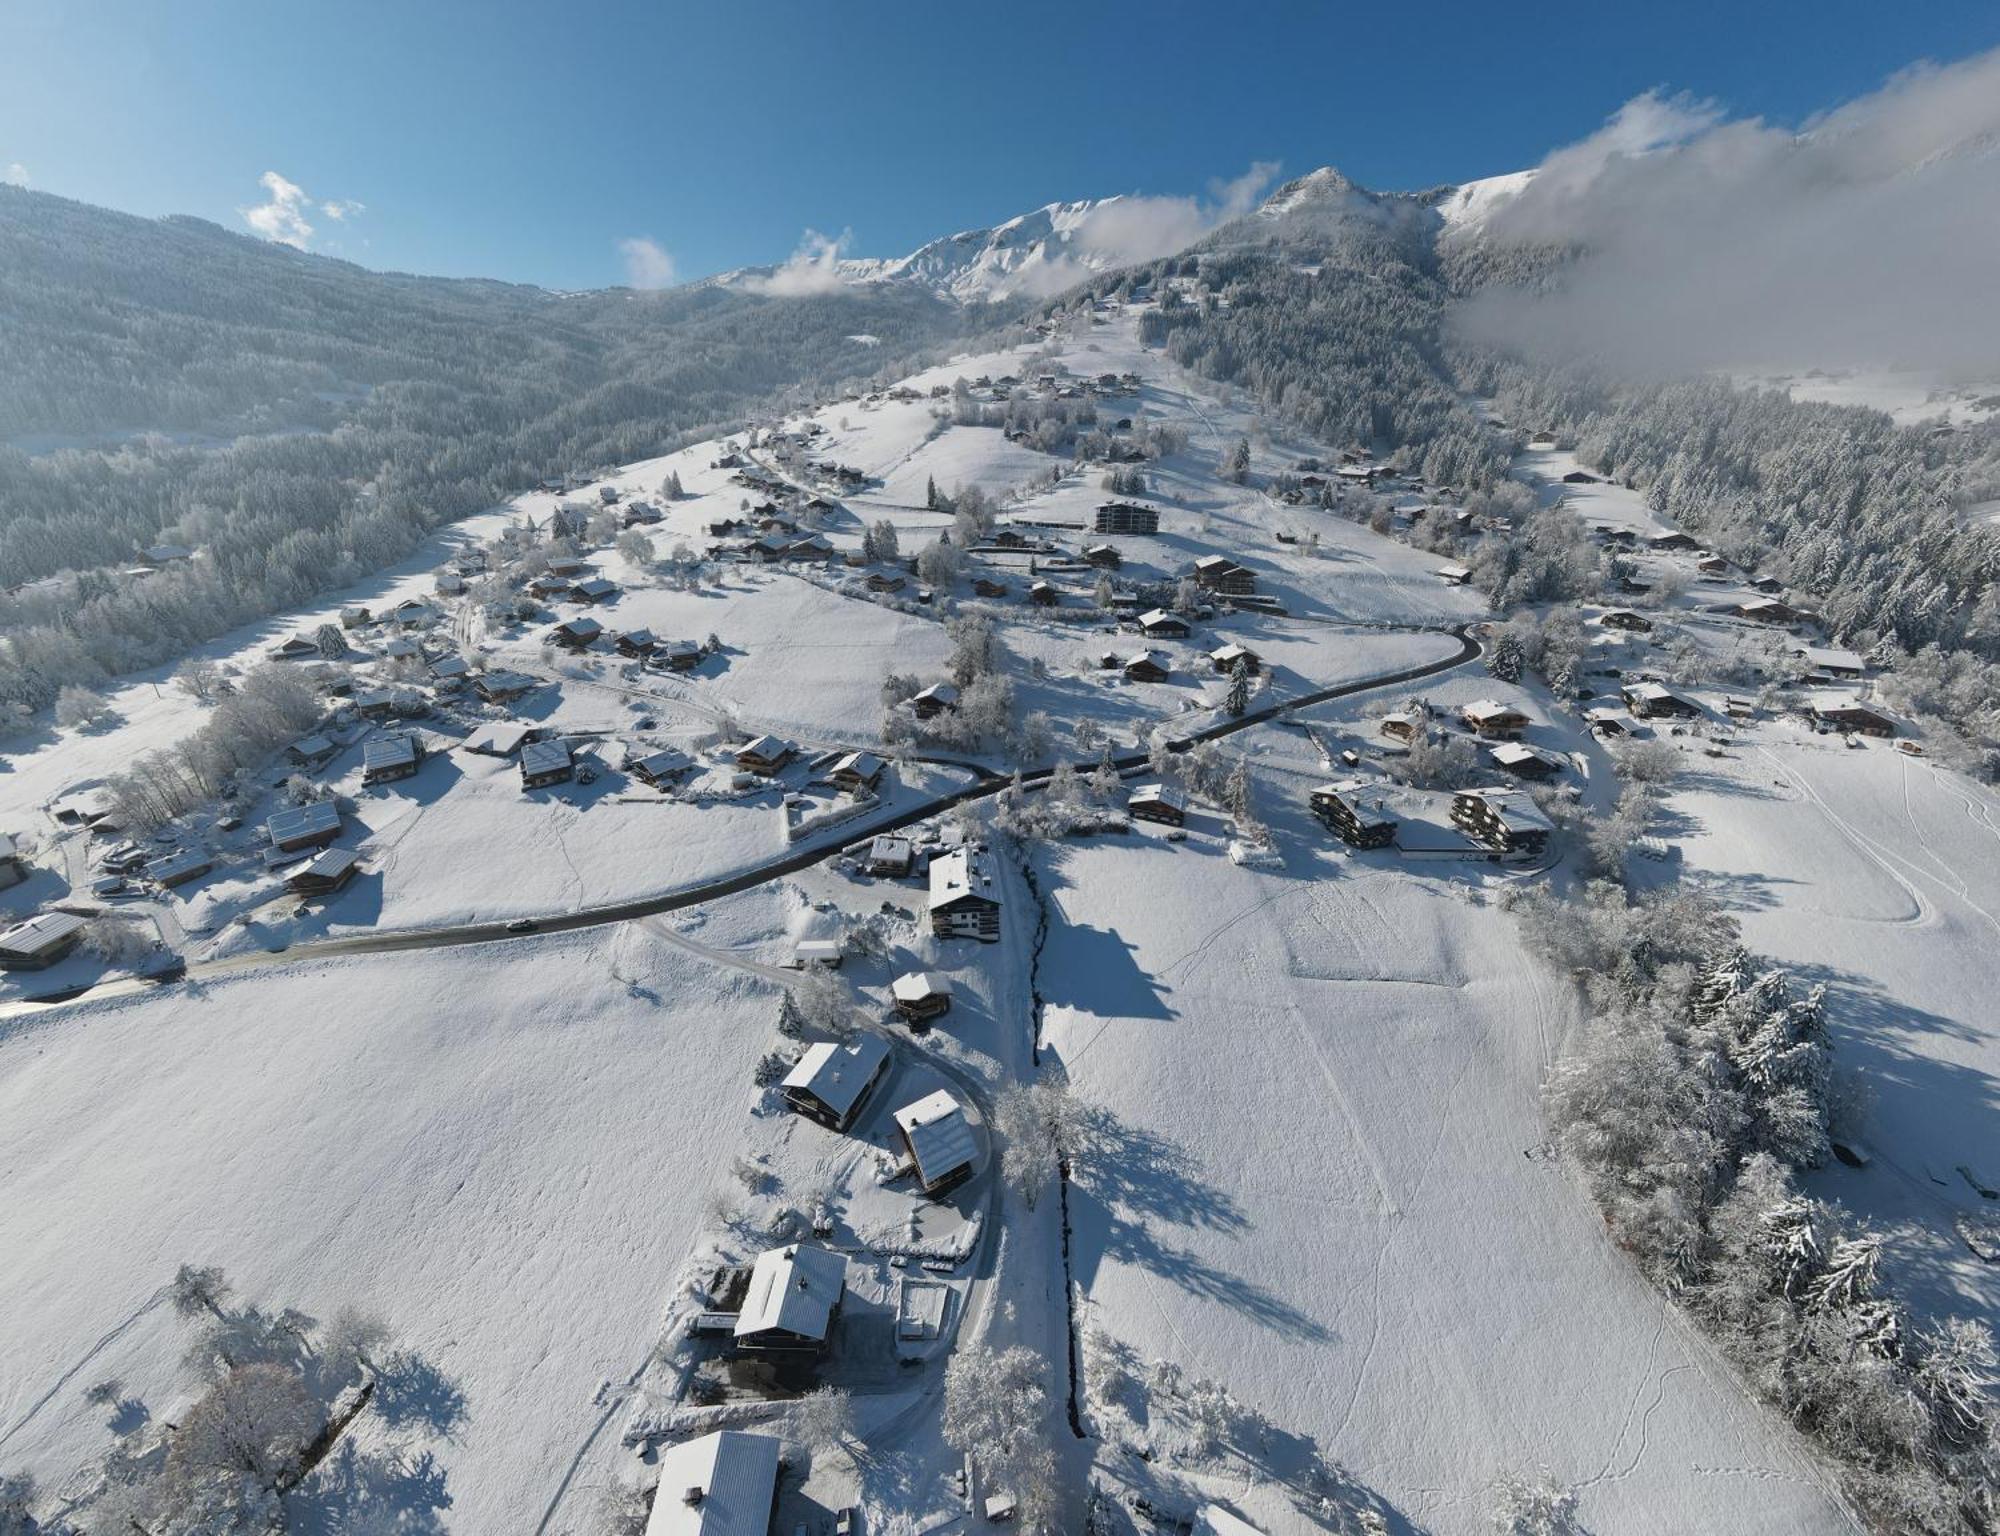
[1058, 245]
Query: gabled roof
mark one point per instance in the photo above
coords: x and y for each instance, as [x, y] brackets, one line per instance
[41, 932]
[915, 986]
[736, 1474]
[794, 1288]
[329, 865]
[863, 764]
[1512, 754]
[1158, 794]
[837, 1075]
[1153, 616]
[962, 872]
[938, 693]
[320, 819]
[388, 751]
[767, 749]
[940, 1137]
[498, 738]
[1516, 812]
[1487, 709]
[1232, 652]
[538, 757]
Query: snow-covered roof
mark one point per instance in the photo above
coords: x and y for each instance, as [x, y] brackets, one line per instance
[1489, 709]
[331, 864]
[837, 1075]
[915, 986]
[732, 1477]
[766, 749]
[1146, 658]
[1512, 754]
[1831, 658]
[450, 666]
[41, 932]
[312, 746]
[940, 1137]
[297, 823]
[1232, 652]
[1158, 794]
[1154, 616]
[865, 765]
[1652, 693]
[538, 757]
[1515, 811]
[795, 1289]
[388, 751]
[498, 738]
[960, 873]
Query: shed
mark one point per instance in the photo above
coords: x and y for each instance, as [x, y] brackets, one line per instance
[889, 855]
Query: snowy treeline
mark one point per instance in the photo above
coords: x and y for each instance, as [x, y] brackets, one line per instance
[1697, 1090]
[1838, 502]
[423, 400]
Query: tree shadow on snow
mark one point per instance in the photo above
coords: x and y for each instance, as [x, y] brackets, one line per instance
[392, 1489]
[411, 1393]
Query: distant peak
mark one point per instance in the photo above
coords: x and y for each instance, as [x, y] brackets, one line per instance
[1321, 185]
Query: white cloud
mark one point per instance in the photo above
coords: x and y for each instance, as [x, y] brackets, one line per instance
[16, 174]
[648, 264]
[1128, 230]
[1866, 238]
[282, 216]
[813, 268]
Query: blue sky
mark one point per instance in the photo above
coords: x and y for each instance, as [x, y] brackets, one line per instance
[527, 141]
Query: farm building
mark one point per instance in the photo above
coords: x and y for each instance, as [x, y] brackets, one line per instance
[890, 856]
[934, 700]
[1158, 624]
[1158, 802]
[1836, 713]
[1146, 667]
[1505, 820]
[294, 648]
[304, 826]
[1493, 720]
[1225, 658]
[720, 1484]
[963, 901]
[986, 586]
[920, 995]
[40, 941]
[384, 759]
[1354, 812]
[940, 1141]
[793, 1301]
[830, 1080]
[766, 754]
[331, 870]
[1043, 594]
[1668, 543]
[1653, 701]
[1125, 517]
[857, 771]
[544, 763]
[1220, 574]
[1764, 610]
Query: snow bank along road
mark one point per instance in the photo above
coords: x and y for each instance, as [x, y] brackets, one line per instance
[987, 784]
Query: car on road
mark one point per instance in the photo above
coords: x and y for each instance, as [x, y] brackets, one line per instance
[522, 925]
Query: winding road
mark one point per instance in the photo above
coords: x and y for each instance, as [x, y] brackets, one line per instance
[987, 784]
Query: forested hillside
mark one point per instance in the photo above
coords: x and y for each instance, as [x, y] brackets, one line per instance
[304, 420]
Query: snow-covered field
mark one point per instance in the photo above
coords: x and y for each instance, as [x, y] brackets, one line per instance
[503, 1152]
[1325, 1189]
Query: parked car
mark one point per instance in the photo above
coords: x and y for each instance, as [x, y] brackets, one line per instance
[522, 925]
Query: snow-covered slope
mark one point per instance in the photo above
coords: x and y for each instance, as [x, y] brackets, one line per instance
[1034, 253]
[1466, 209]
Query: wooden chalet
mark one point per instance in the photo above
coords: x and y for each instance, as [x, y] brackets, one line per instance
[964, 902]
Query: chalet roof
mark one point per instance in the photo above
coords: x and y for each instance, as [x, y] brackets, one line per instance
[1153, 617]
[1158, 794]
[585, 628]
[940, 1137]
[40, 933]
[539, 757]
[1145, 658]
[1231, 653]
[795, 1289]
[1831, 658]
[938, 693]
[889, 849]
[179, 866]
[1513, 754]
[320, 819]
[961, 873]
[658, 765]
[450, 666]
[916, 986]
[1452, 571]
[1216, 565]
[837, 1075]
[765, 749]
[330, 864]
[1514, 810]
[1490, 709]
[392, 751]
[733, 1476]
[498, 738]
[312, 746]
[1652, 693]
[864, 765]
[597, 586]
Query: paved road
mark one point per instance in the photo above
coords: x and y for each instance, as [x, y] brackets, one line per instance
[988, 783]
